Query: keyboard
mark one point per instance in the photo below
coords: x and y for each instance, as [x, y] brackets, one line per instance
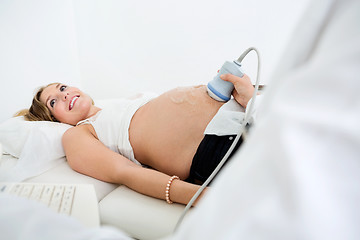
[76, 200]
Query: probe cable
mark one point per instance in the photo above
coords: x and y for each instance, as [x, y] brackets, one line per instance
[242, 130]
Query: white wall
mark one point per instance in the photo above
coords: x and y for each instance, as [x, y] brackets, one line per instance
[162, 44]
[37, 46]
[114, 48]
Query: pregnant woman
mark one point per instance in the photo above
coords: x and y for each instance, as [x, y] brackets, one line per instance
[153, 145]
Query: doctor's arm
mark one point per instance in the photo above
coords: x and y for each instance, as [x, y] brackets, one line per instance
[87, 155]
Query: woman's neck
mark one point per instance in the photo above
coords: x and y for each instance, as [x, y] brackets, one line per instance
[93, 110]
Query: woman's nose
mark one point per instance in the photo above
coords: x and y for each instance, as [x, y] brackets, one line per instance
[65, 95]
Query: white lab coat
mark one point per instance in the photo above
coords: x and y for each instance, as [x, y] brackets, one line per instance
[298, 175]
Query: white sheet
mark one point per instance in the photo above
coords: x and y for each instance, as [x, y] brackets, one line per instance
[27, 220]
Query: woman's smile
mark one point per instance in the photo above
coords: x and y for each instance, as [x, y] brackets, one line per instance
[72, 102]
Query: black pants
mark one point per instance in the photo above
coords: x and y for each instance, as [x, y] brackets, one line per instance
[209, 154]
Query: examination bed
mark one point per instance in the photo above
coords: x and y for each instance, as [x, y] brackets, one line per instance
[33, 153]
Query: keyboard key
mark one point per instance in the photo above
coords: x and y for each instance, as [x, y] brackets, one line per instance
[26, 191]
[16, 189]
[47, 194]
[67, 200]
[57, 198]
[3, 187]
[36, 193]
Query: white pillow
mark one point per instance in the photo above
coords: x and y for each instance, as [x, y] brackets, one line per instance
[37, 144]
[15, 132]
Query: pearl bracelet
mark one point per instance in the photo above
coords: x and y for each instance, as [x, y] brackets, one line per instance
[167, 191]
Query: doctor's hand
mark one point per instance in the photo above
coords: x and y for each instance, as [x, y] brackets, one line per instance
[243, 88]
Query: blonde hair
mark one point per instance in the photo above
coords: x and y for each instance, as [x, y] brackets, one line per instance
[38, 111]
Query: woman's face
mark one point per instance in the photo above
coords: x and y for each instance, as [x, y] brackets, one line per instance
[67, 104]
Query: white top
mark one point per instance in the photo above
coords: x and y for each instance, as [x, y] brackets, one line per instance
[112, 123]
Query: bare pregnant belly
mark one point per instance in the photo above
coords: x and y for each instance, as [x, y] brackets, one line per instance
[166, 132]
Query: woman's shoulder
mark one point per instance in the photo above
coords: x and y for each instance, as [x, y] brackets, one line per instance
[79, 131]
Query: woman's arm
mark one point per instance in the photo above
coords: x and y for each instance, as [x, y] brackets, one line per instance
[87, 155]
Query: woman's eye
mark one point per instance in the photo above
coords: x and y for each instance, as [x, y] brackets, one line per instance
[52, 102]
[62, 88]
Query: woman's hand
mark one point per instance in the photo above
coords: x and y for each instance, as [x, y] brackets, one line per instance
[243, 88]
